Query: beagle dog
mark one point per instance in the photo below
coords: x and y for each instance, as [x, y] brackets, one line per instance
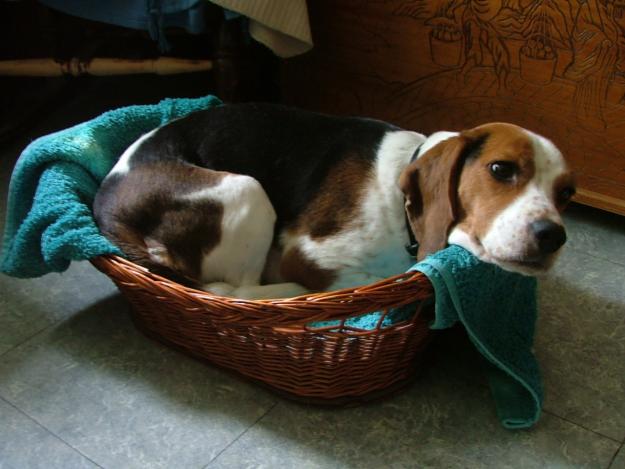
[265, 201]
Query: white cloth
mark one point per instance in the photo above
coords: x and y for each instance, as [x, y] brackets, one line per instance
[281, 25]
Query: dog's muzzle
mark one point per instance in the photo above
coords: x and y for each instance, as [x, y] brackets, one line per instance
[549, 235]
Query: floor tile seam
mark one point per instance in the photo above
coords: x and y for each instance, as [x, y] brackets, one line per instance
[241, 435]
[622, 447]
[587, 387]
[30, 337]
[47, 430]
[485, 386]
[601, 258]
[565, 419]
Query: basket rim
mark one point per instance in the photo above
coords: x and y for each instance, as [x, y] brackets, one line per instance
[392, 292]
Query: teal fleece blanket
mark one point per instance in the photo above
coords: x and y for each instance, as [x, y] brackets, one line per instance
[498, 310]
[49, 223]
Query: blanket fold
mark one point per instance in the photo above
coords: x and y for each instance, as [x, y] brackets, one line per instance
[498, 310]
[49, 221]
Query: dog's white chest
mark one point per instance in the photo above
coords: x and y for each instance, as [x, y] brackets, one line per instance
[391, 261]
[376, 262]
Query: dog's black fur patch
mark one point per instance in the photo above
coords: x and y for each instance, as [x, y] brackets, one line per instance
[287, 150]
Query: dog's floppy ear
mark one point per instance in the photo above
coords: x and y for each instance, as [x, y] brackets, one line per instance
[430, 186]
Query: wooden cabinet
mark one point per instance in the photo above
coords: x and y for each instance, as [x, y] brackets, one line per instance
[554, 66]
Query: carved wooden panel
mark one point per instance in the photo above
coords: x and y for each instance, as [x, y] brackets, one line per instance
[553, 66]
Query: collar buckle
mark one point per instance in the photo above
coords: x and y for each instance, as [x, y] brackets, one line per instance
[412, 249]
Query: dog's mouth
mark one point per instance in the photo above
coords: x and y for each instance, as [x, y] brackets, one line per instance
[526, 266]
[529, 263]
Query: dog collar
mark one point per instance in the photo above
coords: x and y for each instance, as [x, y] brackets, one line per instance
[415, 155]
[412, 248]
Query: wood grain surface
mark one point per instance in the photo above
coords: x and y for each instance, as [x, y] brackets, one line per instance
[553, 66]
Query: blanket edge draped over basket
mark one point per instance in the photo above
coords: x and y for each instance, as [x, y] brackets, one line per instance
[49, 221]
[500, 321]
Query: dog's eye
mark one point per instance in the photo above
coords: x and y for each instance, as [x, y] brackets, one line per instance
[503, 170]
[566, 194]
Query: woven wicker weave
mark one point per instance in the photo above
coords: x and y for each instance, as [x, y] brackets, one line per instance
[269, 340]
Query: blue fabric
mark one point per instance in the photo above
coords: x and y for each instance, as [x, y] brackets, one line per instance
[149, 15]
[498, 310]
[49, 221]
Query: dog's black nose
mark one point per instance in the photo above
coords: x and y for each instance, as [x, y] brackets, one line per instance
[549, 235]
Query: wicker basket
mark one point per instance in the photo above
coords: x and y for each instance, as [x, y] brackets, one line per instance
[270, 341]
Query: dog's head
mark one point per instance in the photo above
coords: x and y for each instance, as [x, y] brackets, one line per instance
[498, 190]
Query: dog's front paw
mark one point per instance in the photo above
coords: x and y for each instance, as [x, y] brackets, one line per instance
[218, 288]
[264, 292]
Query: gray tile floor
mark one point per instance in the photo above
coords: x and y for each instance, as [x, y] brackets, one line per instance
[80, 387]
